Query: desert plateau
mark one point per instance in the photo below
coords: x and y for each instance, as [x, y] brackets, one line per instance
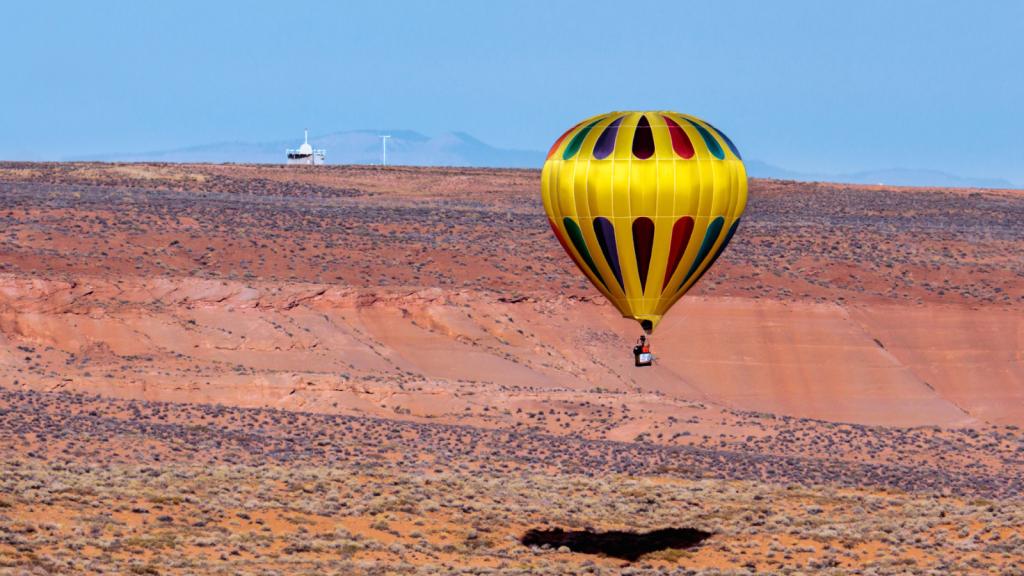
[258, 369]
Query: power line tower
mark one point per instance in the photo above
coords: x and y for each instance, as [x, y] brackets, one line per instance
[384, 141]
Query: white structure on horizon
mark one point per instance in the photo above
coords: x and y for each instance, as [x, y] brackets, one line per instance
[385, 150]
[305, 154]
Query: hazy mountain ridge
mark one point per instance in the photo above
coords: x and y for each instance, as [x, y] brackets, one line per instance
[410, 148]
[889, 177]
[404, 147]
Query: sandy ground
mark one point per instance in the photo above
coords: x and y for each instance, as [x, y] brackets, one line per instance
[93, 484]
[863, 336]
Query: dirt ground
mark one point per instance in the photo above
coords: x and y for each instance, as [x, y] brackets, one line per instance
[850, 370]
[94, 484]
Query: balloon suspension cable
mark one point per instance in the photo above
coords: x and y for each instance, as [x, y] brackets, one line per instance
[679, 321]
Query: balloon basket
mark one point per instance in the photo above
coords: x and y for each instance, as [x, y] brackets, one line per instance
[642, 355]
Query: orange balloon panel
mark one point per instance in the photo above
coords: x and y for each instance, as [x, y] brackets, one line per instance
[644, 203]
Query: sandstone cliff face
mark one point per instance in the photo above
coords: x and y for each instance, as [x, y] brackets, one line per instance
[434, 353]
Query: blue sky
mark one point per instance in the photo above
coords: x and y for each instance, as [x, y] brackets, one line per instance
[824, 87]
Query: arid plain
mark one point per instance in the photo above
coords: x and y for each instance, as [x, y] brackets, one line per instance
[250, 369]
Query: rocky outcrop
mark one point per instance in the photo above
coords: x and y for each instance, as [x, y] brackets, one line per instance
[21, 295]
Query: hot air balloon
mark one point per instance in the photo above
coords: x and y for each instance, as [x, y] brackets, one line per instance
[644, 203]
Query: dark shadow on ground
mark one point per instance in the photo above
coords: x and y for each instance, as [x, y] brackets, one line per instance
[624, 545]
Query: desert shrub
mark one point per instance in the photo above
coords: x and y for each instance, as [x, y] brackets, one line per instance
[671, 555]
[349, 547]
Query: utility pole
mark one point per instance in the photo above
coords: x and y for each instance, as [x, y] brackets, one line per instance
[384, 140]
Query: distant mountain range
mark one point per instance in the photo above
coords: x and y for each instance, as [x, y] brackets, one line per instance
[893, 177]
[405, 147]
[409, 148]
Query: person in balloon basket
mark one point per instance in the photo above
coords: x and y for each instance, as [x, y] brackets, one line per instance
[642, 352]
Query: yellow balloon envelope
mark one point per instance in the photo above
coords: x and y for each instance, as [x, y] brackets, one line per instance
[644, 203]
